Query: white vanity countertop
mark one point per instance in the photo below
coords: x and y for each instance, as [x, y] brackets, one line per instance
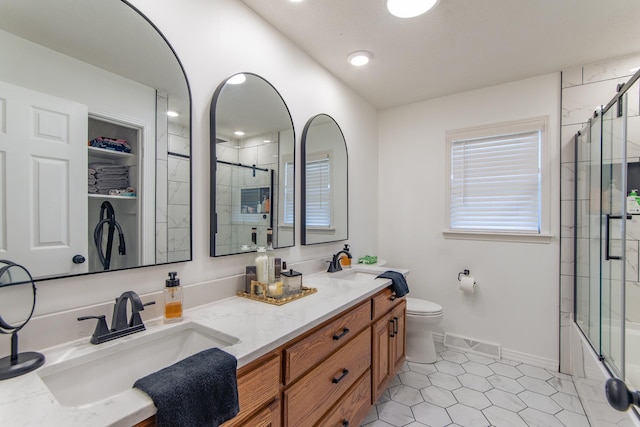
[260, 328]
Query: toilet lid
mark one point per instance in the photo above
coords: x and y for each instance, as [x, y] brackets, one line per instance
[420, 307]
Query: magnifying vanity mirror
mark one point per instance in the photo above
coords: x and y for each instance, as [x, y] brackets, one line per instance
[98, 174]
[325, 189]
[17, 303]
[252, 166]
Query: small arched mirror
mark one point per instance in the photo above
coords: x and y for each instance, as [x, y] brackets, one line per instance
[325, 189]
[252, 166]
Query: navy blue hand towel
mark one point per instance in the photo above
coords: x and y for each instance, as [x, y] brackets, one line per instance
[398, 283]
[201, 390]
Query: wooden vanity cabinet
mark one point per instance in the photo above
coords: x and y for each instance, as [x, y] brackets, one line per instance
[309, 351]
[388, 349]
[339, 355]
[259, 392]
[329, 376]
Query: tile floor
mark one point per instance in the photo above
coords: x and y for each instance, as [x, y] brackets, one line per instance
[467, 390]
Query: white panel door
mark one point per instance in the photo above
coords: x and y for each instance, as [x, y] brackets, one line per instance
[43, 181]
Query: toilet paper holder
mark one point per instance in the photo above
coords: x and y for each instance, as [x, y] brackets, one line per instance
[465, 272]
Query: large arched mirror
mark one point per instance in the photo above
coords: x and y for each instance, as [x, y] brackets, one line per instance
[325, 187]
[98, 173]
[252, 166]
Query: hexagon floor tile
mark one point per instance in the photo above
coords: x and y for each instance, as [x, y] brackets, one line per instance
[464, 389]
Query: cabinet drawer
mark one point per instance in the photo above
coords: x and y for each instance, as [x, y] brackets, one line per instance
[384, 301]
[257, 386]
[353, 407]
[317, 391]
[305, 354]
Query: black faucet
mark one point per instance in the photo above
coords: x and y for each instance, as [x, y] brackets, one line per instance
[120, 325]
[334, 264]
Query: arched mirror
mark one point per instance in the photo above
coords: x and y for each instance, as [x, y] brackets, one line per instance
[252, 166]
[100, 172]
[325, 187]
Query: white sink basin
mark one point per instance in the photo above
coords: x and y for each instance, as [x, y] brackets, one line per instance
[355, 275]
[112, 370]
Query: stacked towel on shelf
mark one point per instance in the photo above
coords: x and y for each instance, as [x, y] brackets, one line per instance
[112, 144]
[108, 177]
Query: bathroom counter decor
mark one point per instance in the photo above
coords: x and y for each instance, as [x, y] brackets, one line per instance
[278, 301]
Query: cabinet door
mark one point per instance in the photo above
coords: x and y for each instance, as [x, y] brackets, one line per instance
[268, 417]
[398, 338]
[381, 371]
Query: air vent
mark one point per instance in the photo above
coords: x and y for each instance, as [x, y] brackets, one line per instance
[471, 345]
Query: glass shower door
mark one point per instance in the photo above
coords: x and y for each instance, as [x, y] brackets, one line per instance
[613, 217]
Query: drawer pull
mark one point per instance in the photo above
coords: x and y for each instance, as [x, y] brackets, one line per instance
[344, 332]
[345, 423]
[393, 297]
[395, 326]
[345, 372]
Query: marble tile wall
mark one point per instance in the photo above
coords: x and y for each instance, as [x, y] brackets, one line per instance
[234, 228]
[178, 194]
[584, 88]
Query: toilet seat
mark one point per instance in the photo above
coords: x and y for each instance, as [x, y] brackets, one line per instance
[420, 307]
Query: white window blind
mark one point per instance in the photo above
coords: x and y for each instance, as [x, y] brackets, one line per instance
[318, 192]
[289, 193]
[496, 183]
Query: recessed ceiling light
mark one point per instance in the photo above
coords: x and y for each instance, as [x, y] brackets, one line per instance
[238, 79]
[409, 8]
[266, 140]
[296, 1]
[238, 133]
[359, 58]
[171, 113]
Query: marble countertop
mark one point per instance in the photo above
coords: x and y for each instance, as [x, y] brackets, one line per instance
[258, 327]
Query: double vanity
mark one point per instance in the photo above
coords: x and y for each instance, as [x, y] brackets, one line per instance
[326, 357]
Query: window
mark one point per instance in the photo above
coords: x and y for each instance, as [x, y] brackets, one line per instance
[318, 192]
[496, 181]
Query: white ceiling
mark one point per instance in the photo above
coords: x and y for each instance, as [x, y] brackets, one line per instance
[459, 45]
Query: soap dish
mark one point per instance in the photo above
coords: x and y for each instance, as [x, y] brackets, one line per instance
[304, 291]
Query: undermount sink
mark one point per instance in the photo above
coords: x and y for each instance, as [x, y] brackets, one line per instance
[110, 371]
[356, 275]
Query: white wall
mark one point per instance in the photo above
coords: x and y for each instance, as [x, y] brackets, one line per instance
[215, 39]
[517, 300]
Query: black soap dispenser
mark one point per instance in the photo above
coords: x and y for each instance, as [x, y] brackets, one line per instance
[172, 299]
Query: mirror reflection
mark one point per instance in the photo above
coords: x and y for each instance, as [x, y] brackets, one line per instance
[253, 166]
[100, 174]
[325, 216]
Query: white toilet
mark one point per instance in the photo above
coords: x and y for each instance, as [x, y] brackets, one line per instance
[422, 318]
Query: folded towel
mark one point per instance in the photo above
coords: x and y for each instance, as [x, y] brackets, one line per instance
[200, 390]
[398, 283]
[106, 167]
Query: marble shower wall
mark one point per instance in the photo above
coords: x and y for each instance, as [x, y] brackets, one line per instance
[584, 88]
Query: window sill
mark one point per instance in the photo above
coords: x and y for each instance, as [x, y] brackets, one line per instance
[497, 236]
[321, 230]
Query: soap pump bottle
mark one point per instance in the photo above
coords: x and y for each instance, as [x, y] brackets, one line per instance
[172, 299]
[345, 261]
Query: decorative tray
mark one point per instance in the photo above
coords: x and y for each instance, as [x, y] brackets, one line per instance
[278, 301]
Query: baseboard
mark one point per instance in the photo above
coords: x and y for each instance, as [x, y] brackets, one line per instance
[516, 356]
